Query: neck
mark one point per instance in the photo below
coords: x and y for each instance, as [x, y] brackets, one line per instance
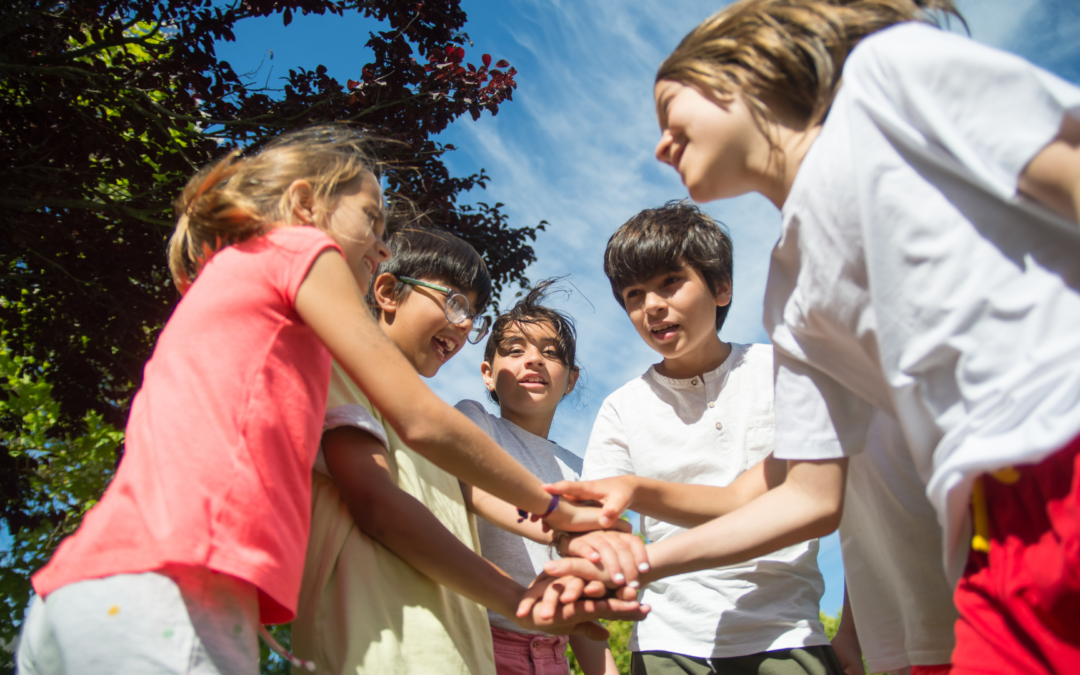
[781, 171]
[538, 424]
[705, 359]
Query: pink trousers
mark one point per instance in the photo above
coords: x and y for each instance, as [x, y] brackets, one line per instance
[529, 654]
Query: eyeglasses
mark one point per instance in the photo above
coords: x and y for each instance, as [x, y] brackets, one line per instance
[457, 309]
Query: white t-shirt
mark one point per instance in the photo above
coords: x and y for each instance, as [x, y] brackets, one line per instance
[900, 598]
[521, 558]
[707, 431]
[911, 277]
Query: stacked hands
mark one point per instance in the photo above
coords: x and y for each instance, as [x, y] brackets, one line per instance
[598, 574]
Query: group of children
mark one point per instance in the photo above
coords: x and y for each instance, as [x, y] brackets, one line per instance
[923, 304]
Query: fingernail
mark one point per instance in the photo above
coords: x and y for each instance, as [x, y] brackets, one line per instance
[633, 584]
[643, 567]
[618, 578]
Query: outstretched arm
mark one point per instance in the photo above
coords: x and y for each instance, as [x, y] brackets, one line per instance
[678, 503]
[1053, 176]
[594, 656]
[330, 303]
[808, 504]
[360, 468]
[617, 549]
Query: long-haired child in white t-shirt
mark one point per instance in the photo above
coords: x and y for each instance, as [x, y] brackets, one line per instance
[529, 366]
[928, 267]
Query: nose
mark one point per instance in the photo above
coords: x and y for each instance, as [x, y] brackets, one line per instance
[663, 148]
[654, 302]
[382, 251]
[533, 357]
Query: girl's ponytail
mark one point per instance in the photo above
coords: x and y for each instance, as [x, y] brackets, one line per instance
[241, 197]
[209, 217]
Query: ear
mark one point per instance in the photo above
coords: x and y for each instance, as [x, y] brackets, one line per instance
[723, 296]
[383, 290]
[488, 375]
[301, 201]
[571, 382]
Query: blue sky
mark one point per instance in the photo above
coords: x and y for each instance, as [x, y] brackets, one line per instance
[575, 148]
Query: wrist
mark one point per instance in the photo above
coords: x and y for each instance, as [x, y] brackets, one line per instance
[560, 541]
[508, 594]
[552, 506]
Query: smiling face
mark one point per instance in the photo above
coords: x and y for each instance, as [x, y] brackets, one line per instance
[527, 375]
[675, 314]
[357, 223]
[416, 322]
[715, 145]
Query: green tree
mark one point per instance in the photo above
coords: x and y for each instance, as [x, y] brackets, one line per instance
[108, 106]
[49, 480]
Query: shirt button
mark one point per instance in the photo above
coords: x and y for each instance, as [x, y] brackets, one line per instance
[693, 381]
[719, 426]
[712, 404]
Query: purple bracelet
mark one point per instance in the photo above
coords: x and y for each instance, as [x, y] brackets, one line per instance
[554, 504]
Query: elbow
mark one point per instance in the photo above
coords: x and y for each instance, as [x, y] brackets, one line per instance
[828, 518]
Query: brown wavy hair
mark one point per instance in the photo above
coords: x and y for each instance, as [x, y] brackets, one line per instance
[241, 197]
[790, 52]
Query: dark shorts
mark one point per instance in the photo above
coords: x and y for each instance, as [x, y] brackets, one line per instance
[817, 660]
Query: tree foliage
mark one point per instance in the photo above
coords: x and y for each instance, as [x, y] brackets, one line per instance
[108, 107]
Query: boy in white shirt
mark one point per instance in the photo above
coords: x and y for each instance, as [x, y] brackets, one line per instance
[703, 415]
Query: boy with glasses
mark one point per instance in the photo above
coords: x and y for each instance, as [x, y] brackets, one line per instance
[393, 582]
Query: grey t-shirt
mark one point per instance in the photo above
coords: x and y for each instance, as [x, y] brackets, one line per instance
[521, 558]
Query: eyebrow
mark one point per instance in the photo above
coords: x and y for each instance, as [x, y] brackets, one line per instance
[662, 108]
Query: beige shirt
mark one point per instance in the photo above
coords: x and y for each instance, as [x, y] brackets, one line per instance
[365, 610]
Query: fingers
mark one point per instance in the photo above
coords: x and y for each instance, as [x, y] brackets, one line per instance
[622, 593]
[622, 568]
[596, 589]
[578, 491]
[578, 567]
[572, 589]
[623, 526]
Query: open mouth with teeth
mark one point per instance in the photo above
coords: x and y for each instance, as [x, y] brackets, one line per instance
[443, 347]
[532, 382]
[664, 331]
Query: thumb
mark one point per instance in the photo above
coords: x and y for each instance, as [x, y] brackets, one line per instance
[591, 630]
[577, 491]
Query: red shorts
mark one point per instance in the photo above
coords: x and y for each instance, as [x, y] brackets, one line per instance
[527, 654]
[940, 669]
[1019, 603]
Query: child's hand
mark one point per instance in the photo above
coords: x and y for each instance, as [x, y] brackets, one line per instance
[583, 569]
[621, 554]
[615, 495]
[553, 605]
[571, 517]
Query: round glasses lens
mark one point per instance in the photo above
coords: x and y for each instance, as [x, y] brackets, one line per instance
[457, 308]
[481, 324]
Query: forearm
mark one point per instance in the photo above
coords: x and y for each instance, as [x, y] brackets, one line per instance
[691, 505]
[329, 302]
[503, 515]
[593, 656]
[405, 526]
[795, 511]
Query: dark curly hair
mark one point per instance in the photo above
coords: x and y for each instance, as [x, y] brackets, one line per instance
[529, 310]
[664, 239]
